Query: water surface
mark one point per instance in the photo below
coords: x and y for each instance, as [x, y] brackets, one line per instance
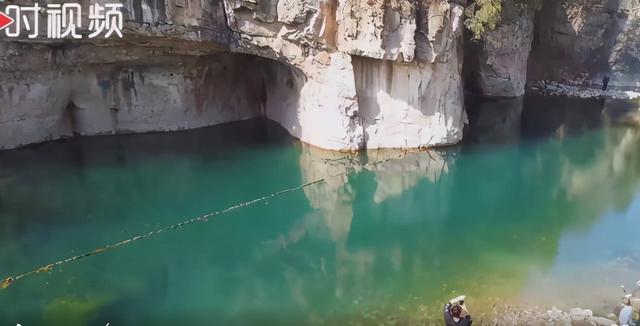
[540, 207]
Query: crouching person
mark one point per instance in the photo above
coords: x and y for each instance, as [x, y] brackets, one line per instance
[455, 314]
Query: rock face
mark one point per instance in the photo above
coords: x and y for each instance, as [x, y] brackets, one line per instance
[496, 65]
[584, 40]
[415, 104]
[337, 74]
[304, 64]
[409, 105]
[167, 75]
[625, 57]
[415, 100]
[314, 96]
[107, 99]
[378, 73]
[569, 31]
[574, 42]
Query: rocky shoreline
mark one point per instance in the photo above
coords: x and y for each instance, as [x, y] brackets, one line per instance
[554, 316]
[582, 91]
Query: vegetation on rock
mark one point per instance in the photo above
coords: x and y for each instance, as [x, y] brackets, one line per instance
[483, 14]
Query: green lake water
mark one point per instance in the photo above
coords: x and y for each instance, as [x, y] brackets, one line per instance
[539, 207]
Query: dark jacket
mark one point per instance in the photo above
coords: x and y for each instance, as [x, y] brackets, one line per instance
[448, 319]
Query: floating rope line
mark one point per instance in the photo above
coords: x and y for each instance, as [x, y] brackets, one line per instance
[204, 218]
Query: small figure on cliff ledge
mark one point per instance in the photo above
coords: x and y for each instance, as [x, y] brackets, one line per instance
[605, 83]
[454, 311]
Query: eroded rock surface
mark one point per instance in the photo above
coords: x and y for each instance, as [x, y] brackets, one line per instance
[122, 98]
[581, 41]
[625, 57]
[168, 73]
[496, 65]
[419, 103]
[375, 74]
[304, 64]
[337, 74]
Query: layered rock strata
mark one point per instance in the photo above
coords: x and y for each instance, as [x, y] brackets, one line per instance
[307, 65]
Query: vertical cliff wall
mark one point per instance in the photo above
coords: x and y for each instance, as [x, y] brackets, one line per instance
[169, 72]
[496, 64]
[414, 99]
[44, 104]
[583, 40]
[568, 41]
[377, 73]
[306, 64]
[338, 74]
[625, 56]
[314, 98]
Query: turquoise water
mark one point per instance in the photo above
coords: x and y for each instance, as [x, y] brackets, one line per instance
[540, 207]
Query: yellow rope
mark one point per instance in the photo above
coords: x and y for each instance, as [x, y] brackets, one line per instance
[204, 218]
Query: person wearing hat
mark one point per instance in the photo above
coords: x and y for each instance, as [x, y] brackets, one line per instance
[455, 313]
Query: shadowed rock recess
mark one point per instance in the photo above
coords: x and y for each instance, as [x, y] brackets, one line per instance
[338, 74]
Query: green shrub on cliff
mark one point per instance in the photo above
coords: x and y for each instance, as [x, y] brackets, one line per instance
[483, 14]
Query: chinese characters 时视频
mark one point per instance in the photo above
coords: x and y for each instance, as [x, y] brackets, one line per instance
[65, 20]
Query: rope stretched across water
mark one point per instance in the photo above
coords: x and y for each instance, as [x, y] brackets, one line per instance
[47, 268]
[204, 218]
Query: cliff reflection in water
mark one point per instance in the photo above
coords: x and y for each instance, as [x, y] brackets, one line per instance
[387, 240]
[428, 225]
[494, 120]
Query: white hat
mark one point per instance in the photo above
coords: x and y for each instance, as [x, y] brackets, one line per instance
[457, 299]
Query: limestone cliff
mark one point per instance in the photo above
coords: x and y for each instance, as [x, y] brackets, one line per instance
[169, 72]
[377, 73]
[496, 64]
[338, 74]
[581, 41]
[574, 41]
